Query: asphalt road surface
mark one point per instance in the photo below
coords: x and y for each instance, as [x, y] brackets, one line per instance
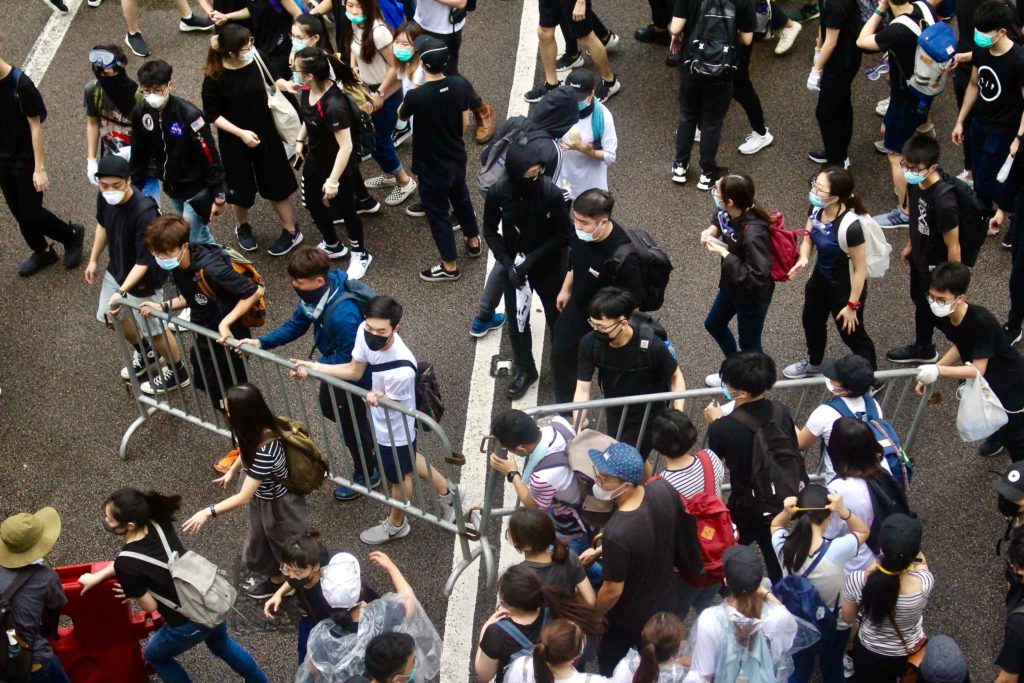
[63, 408]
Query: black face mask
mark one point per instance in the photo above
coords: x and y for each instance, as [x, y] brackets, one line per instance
[312, 296]
[1007, 507]
[608, 336]
[112, 530]
[529, 184]
[297, 584]
[120, 88]
[587, 110]
[374, 341]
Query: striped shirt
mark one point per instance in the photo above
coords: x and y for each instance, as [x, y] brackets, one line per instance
[271, 468]
[689, 481]
[881, 638]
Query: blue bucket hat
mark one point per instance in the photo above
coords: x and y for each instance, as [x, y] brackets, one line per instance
[619, 460]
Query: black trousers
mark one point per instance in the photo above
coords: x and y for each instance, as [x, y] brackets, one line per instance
[871, 667]
[743, 92]
[34, 221]
[454, 43]
[824, 300]
[835, 110]
[924, 321]
[759, 532]
[615, 643]
[565, 350]
[325, 211]
[704, 102]
[661, 16]
[355, 431]
[546, 280]
[1016, 315]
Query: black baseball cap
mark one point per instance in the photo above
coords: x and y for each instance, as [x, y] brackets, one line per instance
[743, 570]
[1011, 484]
[113, 166]
[853, 372]
[433, 53]
[582, 81]
[900, 536]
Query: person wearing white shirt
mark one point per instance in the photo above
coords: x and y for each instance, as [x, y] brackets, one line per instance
[590, 146]
[554, 658]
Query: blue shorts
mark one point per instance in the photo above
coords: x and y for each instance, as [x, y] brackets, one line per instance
[397, 461]
[902, 118]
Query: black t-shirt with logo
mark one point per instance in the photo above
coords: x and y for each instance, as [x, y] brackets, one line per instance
[591, 272]
[323, 119]
[933, 213]
[18, 101]
[979, 335]
[437, 144]
[1000, 79]
[228, 286]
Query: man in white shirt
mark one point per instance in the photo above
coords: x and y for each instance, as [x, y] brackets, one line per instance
[591, 145]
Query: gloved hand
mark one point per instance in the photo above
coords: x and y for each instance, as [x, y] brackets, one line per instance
[928, 374]
[90, 170]
[814, 81]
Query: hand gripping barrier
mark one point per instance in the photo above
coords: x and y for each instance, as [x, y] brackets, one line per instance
[102, 643]
[337, 421]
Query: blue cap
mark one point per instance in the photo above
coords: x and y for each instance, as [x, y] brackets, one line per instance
[619, 460]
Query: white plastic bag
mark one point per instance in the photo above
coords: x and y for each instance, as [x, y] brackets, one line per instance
[981, 413]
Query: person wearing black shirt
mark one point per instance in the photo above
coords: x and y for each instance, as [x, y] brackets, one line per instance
[631, 360]
[836, 63]
[235, 101]
[534, 221]
[746, 377]
[934, 239]
[23, 178]
[978, 339]
[302, 561]
[122, 215]
[441, 107]
[146, 523]
[704, 100]
[596, 241]
[1010, 659]
[270, 22]
[171, 136]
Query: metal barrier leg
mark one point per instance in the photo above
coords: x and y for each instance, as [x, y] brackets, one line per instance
[132, 428]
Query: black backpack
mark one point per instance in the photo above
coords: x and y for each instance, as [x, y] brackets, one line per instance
[777, 465]
[517, 129]
[887, 498]
[16, 668]
[972, 215]
[428, 387]
[647, 327]
[655, 266]
[364, 136]
[712, 50]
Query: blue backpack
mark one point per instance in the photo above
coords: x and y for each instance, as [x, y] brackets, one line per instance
[801, 598]
[900, 464]
[394, 13]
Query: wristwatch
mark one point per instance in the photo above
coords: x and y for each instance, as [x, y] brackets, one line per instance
[219, 199]
[121, 293]
[512, 475]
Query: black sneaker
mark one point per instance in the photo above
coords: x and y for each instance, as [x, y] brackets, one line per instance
[474, 251]
[368, 205]
[338, 250]
[538, 93]
[399, 136]
[912, 353]
[679, 172]
[1013, 334]
[142, 357]
[439, 274]
[415, 210]
[990, 447]
[285, 243]
[195, 23]
[605, 89]
[167, 380]
[260, 590]
[136, 44]
[817, 156]
[456, 224]
[652, 34]
[73, 249]
[57, 6]
[246, 241]
[37, 261]
[806, 13]
[568, 62]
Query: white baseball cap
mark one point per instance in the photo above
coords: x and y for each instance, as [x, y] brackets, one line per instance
[340, 581]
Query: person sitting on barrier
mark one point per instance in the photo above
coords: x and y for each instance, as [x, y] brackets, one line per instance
[132, 515]
[978, 340]
[122, 215]
[302, 562]
[851, 379]
[557, 657]
[332, 303]
[660, 660]
[380, 349]
[525, 606]
[532, 532]
[34, 593]
[631, 359]
[275, 513]
[218, 297]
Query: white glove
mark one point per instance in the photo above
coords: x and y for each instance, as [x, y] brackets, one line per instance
[814, 81]
[928, 374]
[91, 165]
[817, 51]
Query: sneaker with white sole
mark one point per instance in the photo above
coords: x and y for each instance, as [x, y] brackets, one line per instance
[897, 218]
[611, 43]
[94, 3]
[415, 210]
[448, 501]
[538, 93]
[696, 135]
[713, 380]
[882, 107]
[384, 532]
[679, 172]
[817, 156]
[400, 193]
[246, 240]
[168, 380]
[368, 205]
[439, 274]
[140, 361]
[1013, 334]
[400, 135]
[605, 89]
[965, 176]
[755, 142]
[801, 369]
[706, 182]
[787, 36]
[285, 243]
[847, 666]
[568, 62]
[338, 250]
[137, 44]
[880, 147]
[380, 181]
[480, 328]
[195, 23]
[359, 264]
[57, 6]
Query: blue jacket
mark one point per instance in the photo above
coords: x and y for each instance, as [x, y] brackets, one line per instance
[343, 326]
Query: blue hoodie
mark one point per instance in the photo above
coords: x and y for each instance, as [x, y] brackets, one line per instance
[343, 325]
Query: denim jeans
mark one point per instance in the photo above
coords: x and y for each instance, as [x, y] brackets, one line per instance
[200, 231]
[989, 147]
[151, 188]
[51, 672]
[829, 652]
[578, 544]
[305, 627]
[383, 124]
[749, 324]
[171, 641]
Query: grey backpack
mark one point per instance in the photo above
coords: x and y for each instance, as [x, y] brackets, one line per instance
[205, 594]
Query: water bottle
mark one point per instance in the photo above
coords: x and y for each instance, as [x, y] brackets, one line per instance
[13, 647]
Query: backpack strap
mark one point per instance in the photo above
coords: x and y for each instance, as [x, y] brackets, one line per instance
[325, 317]
[393, 365]
[907, 22]
[818, 557]
[747, 420]
[709, 471]
[19, 581]
[839, 405]
[204, 285]
[849, 216]
[508, 627]
[871, 408]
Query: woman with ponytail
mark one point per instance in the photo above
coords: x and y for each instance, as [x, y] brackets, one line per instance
[254, 158]
[532, 532]
[889, 600]
[804, 551]
[525, 606]
[554, 658]
[838, 285]
[659, 660]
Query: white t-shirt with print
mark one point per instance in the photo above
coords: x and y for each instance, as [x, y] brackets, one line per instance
[829, 574]
[521, 671]
[582, 172]
[374, 71]
[433, 17]
[398, 385]
[858, 501]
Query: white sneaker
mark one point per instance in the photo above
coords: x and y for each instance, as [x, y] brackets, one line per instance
[94, 3]
[705, 182]
[786, 37]
[801, 369]
[755, 142]
[882, 107]
[696, 136]
[400, 193]
[384, 532]
[379, 182]
[714, 379]
[449, 501]
[358, 265]
[339, 250]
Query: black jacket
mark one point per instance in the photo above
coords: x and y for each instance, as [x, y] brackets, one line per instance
[180, 144]
[747, 270]
[533, 214]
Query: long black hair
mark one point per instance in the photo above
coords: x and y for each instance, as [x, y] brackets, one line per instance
[520, 587]
[319, 64]
[130, 505]
[854, 450]
[372, 17]
[882, 588]
[797, 546]
[739, 188]
[841, 186]
[251, 419]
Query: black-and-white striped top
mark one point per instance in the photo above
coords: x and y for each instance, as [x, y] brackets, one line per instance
[880, 637]
[271, 468]
[689, 481]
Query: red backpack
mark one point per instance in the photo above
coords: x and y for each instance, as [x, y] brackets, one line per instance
[714, 525]
[783, 247]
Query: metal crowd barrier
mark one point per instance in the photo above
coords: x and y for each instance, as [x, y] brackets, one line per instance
[900, 406]
[287, 397]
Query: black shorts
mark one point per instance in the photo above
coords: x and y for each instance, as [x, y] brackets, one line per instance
[552, 12]
[250, 169]
[212, 370]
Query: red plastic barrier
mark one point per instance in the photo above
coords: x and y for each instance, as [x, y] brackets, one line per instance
[102, 644]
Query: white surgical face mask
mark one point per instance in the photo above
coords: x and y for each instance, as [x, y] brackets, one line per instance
[941, 310]
[831, 387]
[156, 100]
[601, 494]
[114, 197]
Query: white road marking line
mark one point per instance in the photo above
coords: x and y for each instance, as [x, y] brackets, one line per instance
[45, 48]
[459, 630]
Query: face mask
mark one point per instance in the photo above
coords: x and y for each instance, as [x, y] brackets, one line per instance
[169, 263]
[114, 197]
[914, 177]
[312, 296]
[584, 236]
[247, 56]
[717, 201]
[1007, 507]
[726, 393]
[354, 19]
[982, 40]
[582, 104]
[111, 530]
[156, 100]
[606, 496]
[297, 78]
[297, 584]
[816, 201]
[402, 54]
[375, 342]
[940, 310]
[612, 333]
[299, 44]
[832, 387]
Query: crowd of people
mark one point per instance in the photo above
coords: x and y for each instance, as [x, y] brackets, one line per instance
[619, 548]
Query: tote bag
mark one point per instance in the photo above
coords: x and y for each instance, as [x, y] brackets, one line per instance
[981, 413]
[286, 119]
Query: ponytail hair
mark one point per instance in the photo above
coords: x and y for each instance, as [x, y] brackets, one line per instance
[520, 588]
[882, 588]
[313, 25]
[841, 185]
[739, 188]
[324, 67]
[662, 635]
[231, 39]
[561, 642]
[797, 546]
[532, 530]
[130, 505]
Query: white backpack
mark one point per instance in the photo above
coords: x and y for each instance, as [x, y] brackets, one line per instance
[205, 594]
[877, 247]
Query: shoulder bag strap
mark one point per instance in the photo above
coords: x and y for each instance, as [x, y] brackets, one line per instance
[268, 78]
[899, 633]
[143, 558]
[163, 540]
[20, 581]
[393, 365]
[508, 627]
[817, 558]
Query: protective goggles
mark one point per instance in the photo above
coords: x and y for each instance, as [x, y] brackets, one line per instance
[103, 59]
